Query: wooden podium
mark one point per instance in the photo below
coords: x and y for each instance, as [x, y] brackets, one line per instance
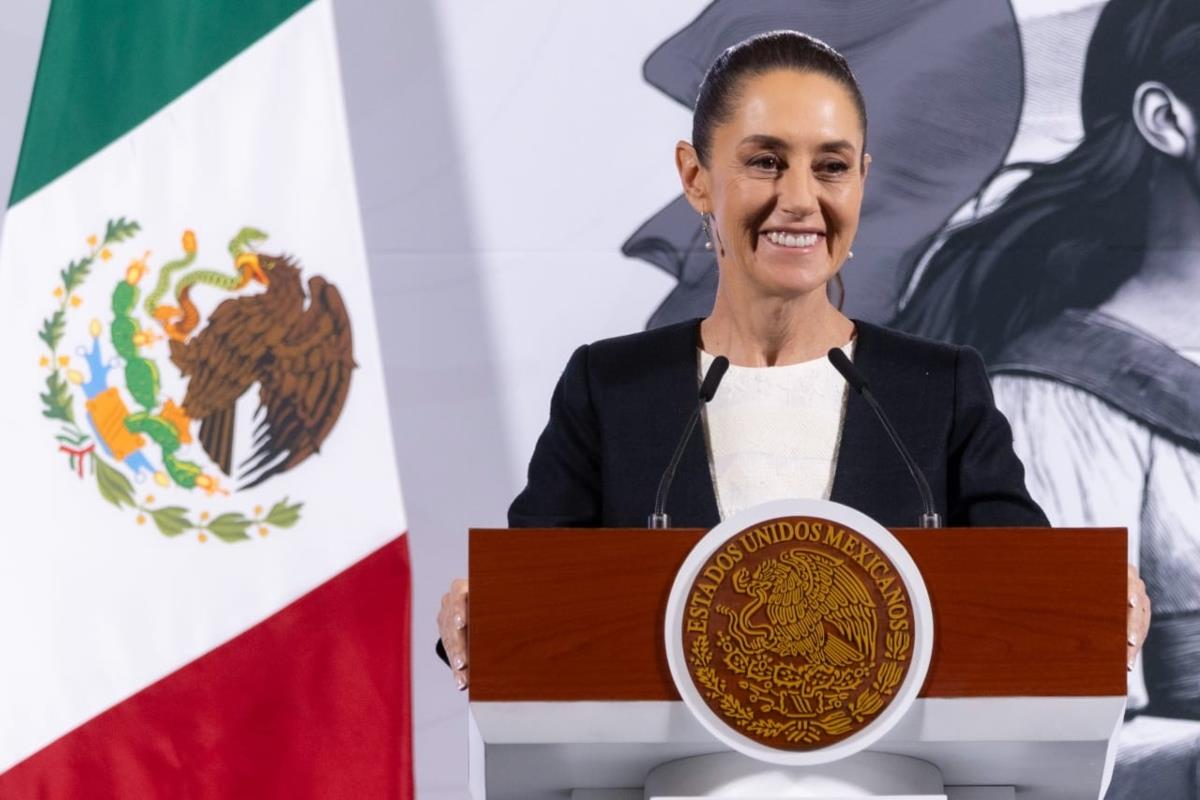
[571, 696]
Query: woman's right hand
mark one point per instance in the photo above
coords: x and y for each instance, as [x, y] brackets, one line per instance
[452, 626]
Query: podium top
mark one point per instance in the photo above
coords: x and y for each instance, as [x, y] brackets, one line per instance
[577, 614]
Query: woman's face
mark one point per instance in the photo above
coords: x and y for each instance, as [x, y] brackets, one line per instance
[784, 183]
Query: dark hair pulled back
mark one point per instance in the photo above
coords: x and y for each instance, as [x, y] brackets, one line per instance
[759, 55]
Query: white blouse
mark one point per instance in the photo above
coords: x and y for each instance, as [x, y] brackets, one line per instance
[773, 432]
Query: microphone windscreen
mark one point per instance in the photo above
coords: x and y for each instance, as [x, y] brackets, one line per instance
[712, 379]
[841, 362]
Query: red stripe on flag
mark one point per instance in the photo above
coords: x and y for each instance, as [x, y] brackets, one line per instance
[315, 701]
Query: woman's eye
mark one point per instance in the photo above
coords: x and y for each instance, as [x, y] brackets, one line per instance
[833, 167]
[767, 162]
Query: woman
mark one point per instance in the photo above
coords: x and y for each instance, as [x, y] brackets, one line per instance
[776, 169]
[1080, 290]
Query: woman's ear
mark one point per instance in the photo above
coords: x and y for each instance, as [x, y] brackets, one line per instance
[1164, 120]
[693, 176]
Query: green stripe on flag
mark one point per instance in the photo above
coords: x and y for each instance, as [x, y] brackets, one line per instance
[106, 67]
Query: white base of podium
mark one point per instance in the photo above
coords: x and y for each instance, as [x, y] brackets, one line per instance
[952, 793]
[1049, 748]
[733, 776]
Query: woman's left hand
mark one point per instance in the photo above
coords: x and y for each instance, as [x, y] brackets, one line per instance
[1138, 618]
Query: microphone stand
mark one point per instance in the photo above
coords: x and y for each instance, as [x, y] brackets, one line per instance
[659, 519]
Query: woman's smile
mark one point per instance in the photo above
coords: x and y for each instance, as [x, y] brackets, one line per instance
[793, 242]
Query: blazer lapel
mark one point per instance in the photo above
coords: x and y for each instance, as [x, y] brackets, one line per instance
[870, 474]
[861, 433]
[692, 502]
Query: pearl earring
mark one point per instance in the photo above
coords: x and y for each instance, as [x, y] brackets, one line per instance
[707, 232]
[850, 254]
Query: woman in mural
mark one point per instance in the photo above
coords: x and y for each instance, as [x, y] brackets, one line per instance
[1080, 289]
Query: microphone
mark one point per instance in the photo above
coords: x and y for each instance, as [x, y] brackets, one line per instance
[708, 389]
[837, 357]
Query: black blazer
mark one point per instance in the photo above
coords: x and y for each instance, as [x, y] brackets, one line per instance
[621, 405]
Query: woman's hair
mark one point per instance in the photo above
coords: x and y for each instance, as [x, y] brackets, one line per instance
[756, 56]
[1075, 229]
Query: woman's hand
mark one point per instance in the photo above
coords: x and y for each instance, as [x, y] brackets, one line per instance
[1138, 618]
[452, 626]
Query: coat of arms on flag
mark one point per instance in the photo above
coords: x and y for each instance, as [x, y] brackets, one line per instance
[132, 373]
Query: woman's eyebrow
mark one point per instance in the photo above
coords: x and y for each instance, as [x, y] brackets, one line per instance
[763, 140]
[769, 142]
[837, 146]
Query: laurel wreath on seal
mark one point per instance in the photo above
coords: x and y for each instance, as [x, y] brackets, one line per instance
[833, 723]
[58, 403]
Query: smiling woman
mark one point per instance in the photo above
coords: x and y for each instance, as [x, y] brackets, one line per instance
[776, 169]
[780, 182]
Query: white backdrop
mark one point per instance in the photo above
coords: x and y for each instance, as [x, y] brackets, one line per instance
[503, 153]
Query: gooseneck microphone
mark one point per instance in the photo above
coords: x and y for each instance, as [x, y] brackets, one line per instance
[837, 357]
[708, 389]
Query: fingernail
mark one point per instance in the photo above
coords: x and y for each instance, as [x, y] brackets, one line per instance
[1129, 667]
[1133, 601]
[461, 623]
[1132, 641]
[462, 682]
[460, 662]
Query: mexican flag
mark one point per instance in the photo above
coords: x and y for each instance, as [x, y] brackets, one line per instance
[204, 582]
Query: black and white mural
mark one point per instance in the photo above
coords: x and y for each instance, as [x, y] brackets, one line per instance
[1034, 193]
[1079, 283]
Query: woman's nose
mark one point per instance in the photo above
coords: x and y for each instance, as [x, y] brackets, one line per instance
[798, 193]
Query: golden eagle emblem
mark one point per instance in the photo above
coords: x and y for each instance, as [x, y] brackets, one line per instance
[816, 609]
[798, 632]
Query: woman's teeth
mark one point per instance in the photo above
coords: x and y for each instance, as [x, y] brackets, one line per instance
[792, 239]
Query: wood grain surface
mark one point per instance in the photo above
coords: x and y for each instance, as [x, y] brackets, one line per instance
[578, 614]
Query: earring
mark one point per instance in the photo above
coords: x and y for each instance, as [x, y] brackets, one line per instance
[850, 254]
[711, 233]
